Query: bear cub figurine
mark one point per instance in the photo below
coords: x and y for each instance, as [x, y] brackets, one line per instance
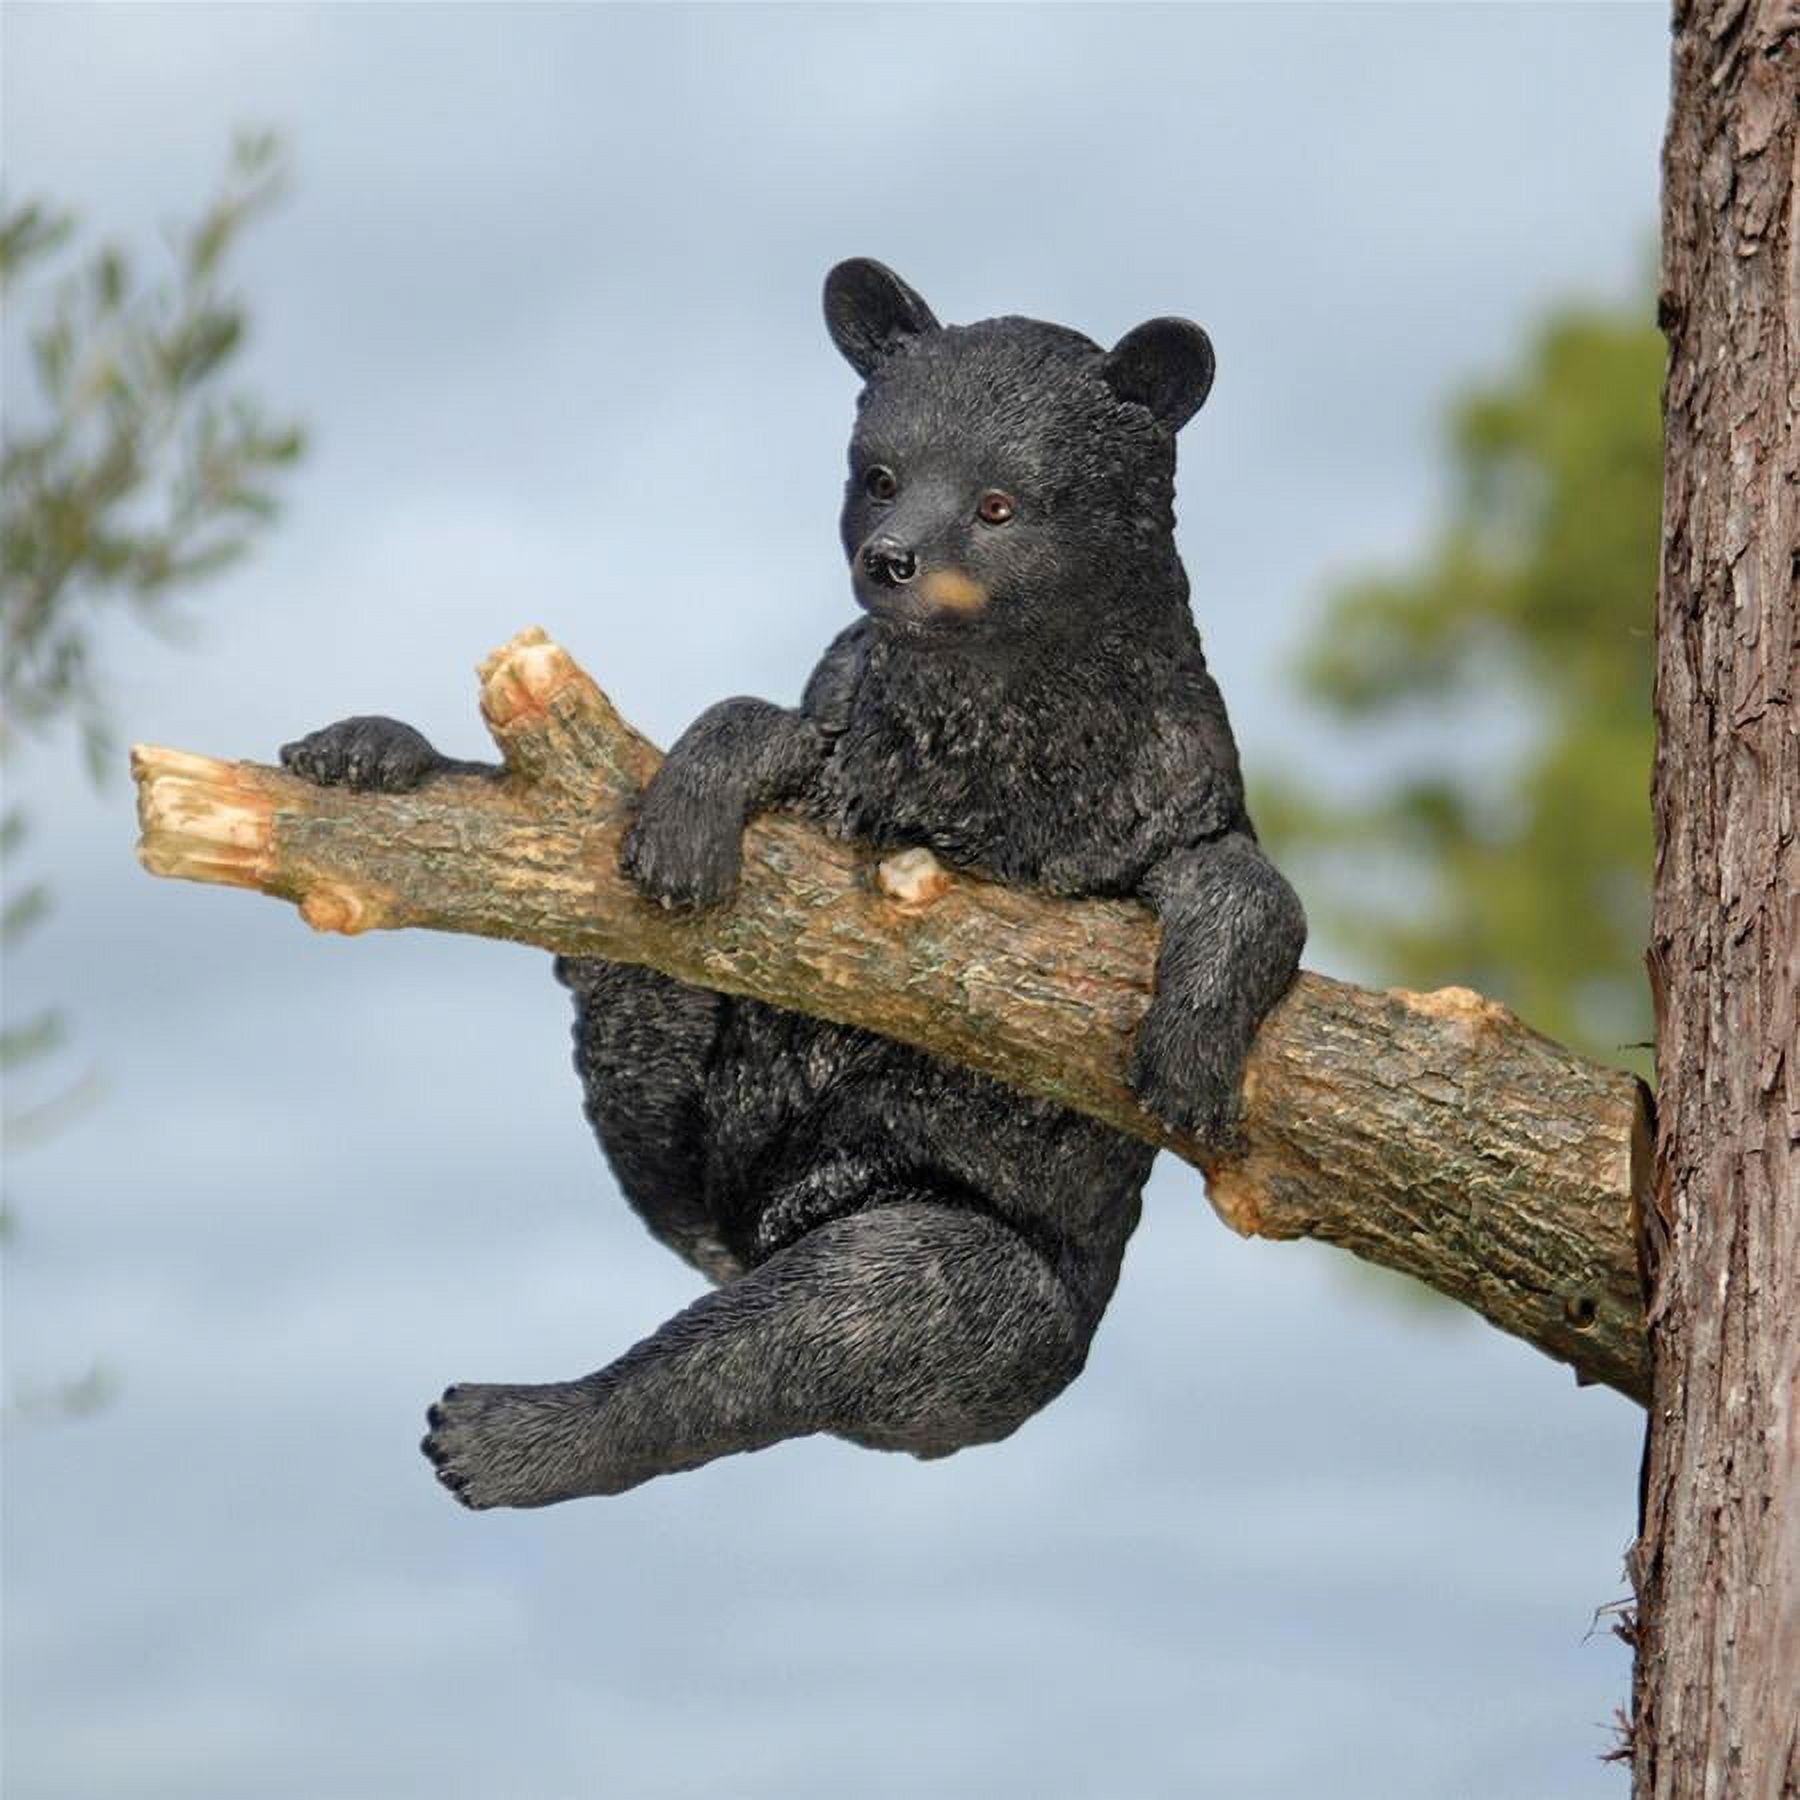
[907, 1254]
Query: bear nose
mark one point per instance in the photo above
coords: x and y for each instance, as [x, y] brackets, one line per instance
[888, 561]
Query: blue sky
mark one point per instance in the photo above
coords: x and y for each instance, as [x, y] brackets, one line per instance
[546, 291]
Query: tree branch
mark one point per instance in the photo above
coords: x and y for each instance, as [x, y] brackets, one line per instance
[1431, 1133]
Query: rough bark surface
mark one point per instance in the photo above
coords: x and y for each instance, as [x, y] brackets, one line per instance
[1717, 1566]
[1432, 1133]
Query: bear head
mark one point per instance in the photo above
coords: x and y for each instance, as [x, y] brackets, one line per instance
[1009, 480]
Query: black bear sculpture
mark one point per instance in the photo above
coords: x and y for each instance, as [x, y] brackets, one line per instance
[909, 1255]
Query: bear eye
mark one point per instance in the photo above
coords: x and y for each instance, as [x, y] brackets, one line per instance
[994, 508]
[881, 483]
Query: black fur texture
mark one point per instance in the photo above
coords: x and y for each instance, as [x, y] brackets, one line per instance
[908, 1255]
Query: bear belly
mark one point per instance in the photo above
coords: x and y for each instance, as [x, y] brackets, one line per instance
[807, 1121]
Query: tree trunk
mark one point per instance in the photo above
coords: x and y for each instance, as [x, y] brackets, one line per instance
[1717, 1566]
[1432, 1133]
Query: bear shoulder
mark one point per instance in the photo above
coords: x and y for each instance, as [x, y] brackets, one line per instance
[830, 694]
[1185, 767]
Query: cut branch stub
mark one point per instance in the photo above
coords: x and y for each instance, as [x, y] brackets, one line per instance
[555, 728]
[1431, 1133]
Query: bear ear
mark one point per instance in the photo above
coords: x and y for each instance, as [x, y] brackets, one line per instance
[869, 310]
[1166, 365]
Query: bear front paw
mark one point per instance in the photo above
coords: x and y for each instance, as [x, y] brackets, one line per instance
[365, 753]
[683, 849]
[1188, 1086]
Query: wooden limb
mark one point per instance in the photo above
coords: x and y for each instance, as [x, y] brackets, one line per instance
[1431, 1133]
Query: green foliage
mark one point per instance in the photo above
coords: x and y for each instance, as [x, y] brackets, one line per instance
[131, 473]
[138, 475]
[1529, 616]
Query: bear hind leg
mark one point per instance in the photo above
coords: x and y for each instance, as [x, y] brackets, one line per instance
[916, 1324]
[642, 1044]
